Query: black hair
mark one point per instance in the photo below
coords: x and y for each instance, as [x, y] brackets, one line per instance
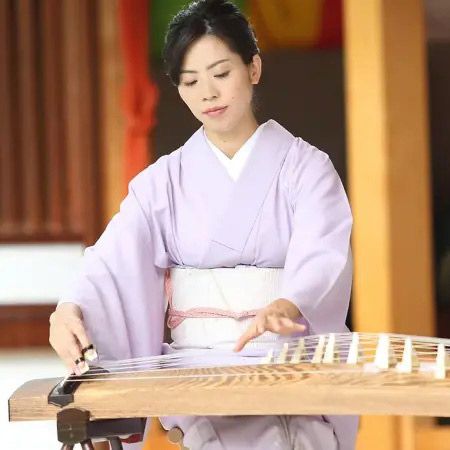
[220, 18]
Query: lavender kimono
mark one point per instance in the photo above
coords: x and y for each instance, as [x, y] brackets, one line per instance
[287, 209]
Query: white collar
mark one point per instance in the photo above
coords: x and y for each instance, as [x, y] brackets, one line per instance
[235, 165]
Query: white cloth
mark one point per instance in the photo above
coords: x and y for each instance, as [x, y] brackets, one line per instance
[238, 289]
[235, 164]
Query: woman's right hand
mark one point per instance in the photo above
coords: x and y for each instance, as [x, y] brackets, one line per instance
[68, 335]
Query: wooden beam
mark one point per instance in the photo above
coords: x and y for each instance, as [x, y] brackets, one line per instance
[389, 181]
[25, 325]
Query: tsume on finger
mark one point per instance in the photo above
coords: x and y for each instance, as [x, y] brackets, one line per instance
[70, 364]
[89, 352]
[77, 365]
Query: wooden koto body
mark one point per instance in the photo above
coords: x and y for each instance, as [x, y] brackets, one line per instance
[347, 373]
[244, 390]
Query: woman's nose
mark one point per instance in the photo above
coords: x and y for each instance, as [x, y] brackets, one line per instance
[209, 92]
[209, 97]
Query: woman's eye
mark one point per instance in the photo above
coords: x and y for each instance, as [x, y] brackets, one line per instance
[190, 83]
[222, 75]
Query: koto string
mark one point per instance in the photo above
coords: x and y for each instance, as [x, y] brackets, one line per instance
[184, 359]
[96, 374]
[328, 370]
[341, 339]
[342, 344]
[160, 363]
[426, 347]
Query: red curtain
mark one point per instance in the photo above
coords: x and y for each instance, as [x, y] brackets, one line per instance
[140, 94]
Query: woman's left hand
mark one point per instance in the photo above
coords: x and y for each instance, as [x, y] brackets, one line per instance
[278, 317]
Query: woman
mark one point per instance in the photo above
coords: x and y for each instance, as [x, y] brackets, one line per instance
[252, 224]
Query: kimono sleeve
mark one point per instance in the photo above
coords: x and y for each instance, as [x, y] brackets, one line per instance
[121, 285]
[318, 268]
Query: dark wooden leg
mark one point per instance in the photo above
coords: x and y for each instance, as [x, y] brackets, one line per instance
[116, 443]
[87, 445]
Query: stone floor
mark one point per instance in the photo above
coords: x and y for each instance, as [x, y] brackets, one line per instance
[16, 367]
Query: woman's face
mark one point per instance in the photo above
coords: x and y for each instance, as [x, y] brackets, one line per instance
[216, 85]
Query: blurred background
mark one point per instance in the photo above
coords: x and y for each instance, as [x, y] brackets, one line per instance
[85, 104]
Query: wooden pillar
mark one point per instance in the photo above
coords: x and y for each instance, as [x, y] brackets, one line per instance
[81, 118]
[113, 122]
[389, 182]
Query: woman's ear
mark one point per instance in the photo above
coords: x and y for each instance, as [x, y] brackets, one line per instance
[255, 69]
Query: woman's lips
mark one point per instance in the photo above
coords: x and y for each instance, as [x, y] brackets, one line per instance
[216, 112]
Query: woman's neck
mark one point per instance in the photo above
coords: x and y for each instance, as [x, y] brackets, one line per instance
[231, 141]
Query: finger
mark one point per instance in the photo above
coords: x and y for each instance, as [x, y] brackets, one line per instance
[62, 342]
[274, 323]
[261, 324]
[77, 328]
[80, 364]
[252, 332]
[242, 341]
[87, 349]
[289, 326]
[71, 366]
[74, 369]
[72, 356]
[78, 367]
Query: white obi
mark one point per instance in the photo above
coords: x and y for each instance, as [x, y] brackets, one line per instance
[242, 288]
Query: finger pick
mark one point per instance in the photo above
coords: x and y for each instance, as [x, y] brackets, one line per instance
[90, 353]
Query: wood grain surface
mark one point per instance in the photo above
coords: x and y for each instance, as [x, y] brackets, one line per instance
[244, 390]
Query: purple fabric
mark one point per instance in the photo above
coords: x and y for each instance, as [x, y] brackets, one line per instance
[287, 209]
[255, 432]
